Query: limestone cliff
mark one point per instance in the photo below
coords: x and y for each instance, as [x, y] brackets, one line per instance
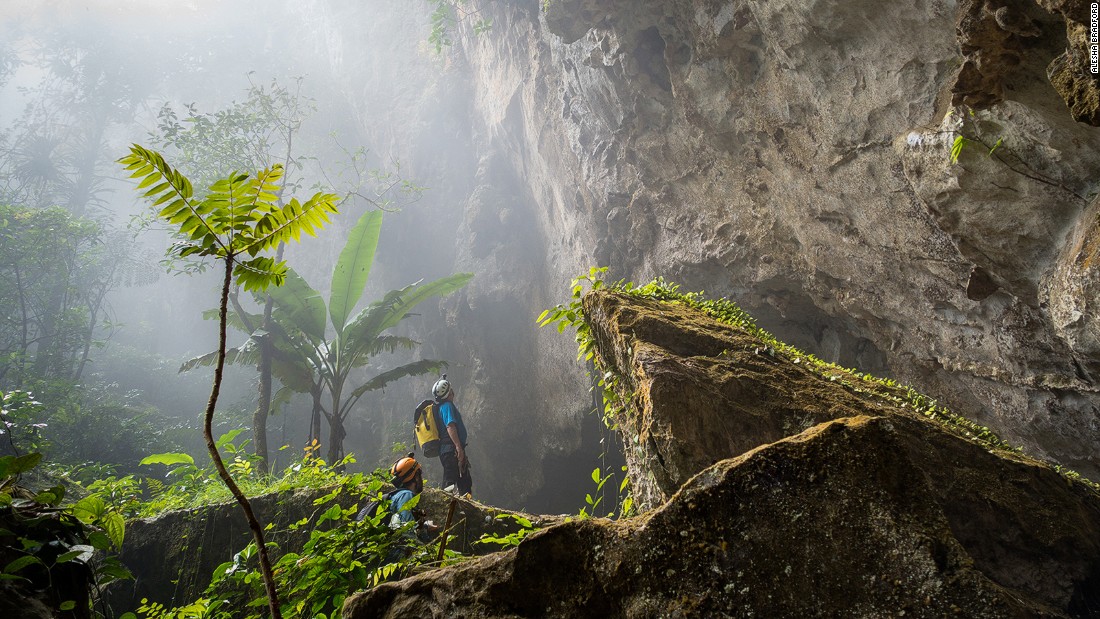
[795, 156]
[873, 510]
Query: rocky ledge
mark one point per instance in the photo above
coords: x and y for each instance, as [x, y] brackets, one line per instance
[871, 510]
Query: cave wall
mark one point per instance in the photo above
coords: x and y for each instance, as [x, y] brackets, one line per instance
[792, 155]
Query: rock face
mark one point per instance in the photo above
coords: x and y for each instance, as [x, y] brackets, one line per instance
[701, 391]
[877, 511]
[792, 155]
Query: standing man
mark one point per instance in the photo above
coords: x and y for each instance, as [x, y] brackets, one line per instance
[452, 448]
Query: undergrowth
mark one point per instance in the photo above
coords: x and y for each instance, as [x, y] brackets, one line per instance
[342, 555]
[185, 485]
[62, 552]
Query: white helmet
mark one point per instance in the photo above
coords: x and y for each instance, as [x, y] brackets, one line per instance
[442, 388]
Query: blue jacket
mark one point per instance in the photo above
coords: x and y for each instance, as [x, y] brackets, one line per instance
[397, 501]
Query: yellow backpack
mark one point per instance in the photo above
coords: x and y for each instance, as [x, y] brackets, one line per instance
[426, 426]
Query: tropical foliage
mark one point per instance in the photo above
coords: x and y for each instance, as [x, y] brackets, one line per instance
[309, 360]
[55, 270]
[341, 556]
[261, 131]
[46, 546]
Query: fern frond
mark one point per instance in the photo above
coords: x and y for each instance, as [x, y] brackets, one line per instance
[287, 224]
[165, 185]
[258, 273]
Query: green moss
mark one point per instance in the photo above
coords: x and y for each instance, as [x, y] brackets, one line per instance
[728, 312]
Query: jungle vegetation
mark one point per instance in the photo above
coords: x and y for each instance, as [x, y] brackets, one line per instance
[90, 412]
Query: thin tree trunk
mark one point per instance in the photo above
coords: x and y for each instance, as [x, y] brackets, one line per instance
[94, 308]
[24, 340]
[315, 419]
[45, 361]
[263, 405]
[207, 432]
[336, 439]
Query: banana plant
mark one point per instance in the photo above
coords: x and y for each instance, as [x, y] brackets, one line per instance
[307, 360]
[355, 338]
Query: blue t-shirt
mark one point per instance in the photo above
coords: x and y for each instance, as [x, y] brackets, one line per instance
[448, 414]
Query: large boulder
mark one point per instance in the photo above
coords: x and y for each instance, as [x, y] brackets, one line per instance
[854, 505]
[699, 390]
[866, 516]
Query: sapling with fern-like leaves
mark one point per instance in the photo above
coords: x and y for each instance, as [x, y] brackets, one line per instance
[235, 224]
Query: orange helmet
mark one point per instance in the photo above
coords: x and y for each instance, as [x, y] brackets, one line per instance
[405, 470]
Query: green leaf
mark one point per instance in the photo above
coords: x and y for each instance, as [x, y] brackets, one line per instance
[440, 287]
[68, 556]
[89, 509]
[51, 496]
[227, 438]
[957, 147]
[246, 355]
[333, 513]
[115, 527]
[118, 571]
[168, 458]
[302, 305]
[11, 466]
[416, 368]
[67, 605]
[258, 274]
[352, 270]
[21, 563]
[99, 540]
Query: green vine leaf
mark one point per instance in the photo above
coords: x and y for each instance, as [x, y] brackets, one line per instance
[957, 147]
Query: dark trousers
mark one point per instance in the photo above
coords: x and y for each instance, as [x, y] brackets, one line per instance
[451, 474]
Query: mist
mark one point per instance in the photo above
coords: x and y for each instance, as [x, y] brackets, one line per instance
[82, 81]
